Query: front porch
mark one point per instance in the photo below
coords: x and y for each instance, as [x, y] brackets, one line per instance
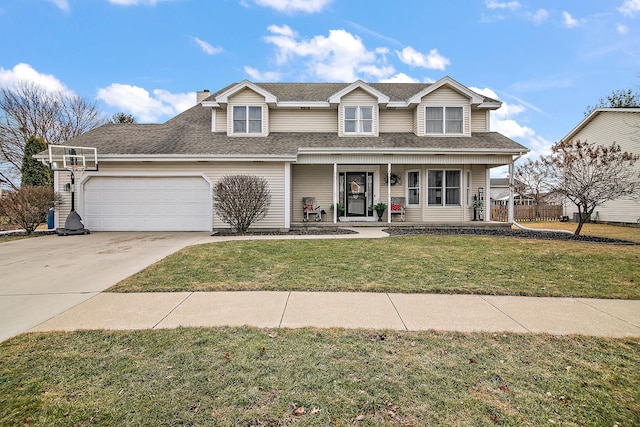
[466, 225]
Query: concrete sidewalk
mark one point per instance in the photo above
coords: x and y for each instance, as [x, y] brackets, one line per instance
[406, 312]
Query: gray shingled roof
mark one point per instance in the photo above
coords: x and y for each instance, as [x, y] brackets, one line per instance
[310, 92]
[189, 133]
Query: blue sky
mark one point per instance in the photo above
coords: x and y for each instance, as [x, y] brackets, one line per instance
[546, 60]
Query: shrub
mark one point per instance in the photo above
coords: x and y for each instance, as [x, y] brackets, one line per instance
[27, 207]
[240, 200]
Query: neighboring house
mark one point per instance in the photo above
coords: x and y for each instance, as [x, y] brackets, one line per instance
[500, 193]
[356, 144]
[603, 127]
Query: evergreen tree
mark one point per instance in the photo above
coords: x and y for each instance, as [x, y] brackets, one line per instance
[122, 117]
[33, 172]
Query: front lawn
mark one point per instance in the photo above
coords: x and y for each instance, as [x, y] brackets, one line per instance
[250, 377]
[406, 264]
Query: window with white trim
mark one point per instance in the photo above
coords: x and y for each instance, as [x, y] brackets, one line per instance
[247, 119]
[443, 188]
[413, 188]
[444, 120]
[358, 120]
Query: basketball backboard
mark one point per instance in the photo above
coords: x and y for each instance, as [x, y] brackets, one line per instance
[70, 158]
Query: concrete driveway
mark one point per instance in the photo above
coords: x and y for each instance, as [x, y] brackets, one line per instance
[45, 276]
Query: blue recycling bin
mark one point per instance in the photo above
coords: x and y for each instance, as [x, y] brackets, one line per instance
[50, 219]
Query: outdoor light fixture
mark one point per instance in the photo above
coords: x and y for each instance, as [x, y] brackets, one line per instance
[480, 191]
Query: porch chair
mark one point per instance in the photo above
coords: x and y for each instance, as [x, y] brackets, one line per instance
[309, 208]
[397, 207]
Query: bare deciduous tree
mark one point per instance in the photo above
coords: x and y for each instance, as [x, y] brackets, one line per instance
[617, 99]
[590, 175]
[31, 110]
[27, 207]
[240, 200]
[535, 177]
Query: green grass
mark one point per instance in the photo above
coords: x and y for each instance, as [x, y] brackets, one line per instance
[242, 376]
[407, 264]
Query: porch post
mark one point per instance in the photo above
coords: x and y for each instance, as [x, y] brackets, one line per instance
[389, 192]
[335, 193]
[487, 195]
[287, 195]
[511, 207]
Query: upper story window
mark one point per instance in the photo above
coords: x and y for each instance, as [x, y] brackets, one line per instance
[247, 119]
[443, 188]
[358, 120]
[444, 120]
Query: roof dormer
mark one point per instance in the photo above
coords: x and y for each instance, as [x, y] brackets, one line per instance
[380, 97]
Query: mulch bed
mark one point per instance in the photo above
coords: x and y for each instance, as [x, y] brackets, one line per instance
[526, 234]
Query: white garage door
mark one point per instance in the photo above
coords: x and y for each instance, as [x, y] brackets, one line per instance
[147, 204]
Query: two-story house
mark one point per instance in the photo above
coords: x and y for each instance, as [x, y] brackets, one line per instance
[426, 144]
[604, 126]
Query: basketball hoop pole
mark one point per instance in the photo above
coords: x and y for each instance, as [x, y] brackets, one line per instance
[74, 159]
[73, 190]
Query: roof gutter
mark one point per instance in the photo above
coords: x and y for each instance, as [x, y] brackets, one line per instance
[195, 158]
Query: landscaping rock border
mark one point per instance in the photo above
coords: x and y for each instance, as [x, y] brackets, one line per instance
[525, 234]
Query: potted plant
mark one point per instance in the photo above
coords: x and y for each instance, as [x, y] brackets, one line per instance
[340, 208]
[379, 208]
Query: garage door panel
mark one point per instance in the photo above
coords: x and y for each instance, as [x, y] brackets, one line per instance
[147, 204]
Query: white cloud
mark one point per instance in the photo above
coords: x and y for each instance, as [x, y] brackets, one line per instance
[540, 16]
[629, 7]
[293, 6]
[258, 76]
[433, 60]
[61, 4]
[400, 78]
[570, 21]
[494, 4]
[512, 129]
[206, 47]
[622, 29]
[146, 107]
[26, 73]
[340, 56]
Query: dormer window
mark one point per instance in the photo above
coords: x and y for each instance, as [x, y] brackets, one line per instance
[358, 120]
[247, 119]
[444, 120]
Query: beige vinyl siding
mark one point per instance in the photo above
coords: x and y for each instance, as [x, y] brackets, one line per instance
[316, 120]
[311, 181]
[221, 120]
[605, 128]
[247, 97]
[272, 172]
[480, 120]
[443, 97]
[358, 98]
[396, 121]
